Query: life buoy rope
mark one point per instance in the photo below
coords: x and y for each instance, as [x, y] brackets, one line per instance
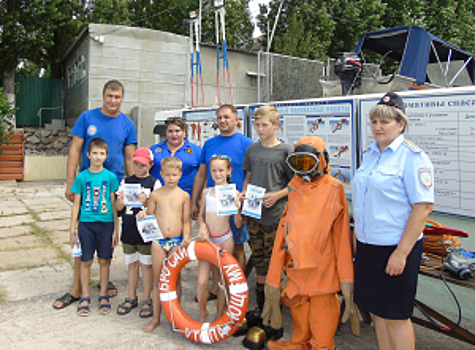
[237, 300]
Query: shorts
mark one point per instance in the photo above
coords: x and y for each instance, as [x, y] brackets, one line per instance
[389, 297]
[137, 252]
[96, 236]
[219, 240]
[262, 244]
[168, 244]
[240, 235]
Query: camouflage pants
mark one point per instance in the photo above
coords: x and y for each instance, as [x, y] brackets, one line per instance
[262, 243]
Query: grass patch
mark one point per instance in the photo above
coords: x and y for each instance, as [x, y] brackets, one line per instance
[3, 296]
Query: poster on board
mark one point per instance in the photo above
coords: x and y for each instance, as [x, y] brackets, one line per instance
[332, 120]
[202, 124]
[443, 126]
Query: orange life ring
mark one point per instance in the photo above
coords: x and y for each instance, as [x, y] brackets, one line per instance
[233, 316]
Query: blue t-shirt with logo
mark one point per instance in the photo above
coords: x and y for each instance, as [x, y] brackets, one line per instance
[233, 146]
[95, 190]
[118, 132]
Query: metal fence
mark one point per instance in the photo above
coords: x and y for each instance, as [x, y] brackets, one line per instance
[39, 100]
[288, 78]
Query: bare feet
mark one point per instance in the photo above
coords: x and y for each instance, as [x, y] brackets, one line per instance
[151, 325]
[202, 318]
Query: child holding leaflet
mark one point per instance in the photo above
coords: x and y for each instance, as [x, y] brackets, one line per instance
[265, 166]
[94, 206]
[171, 206]
[137, 253]
[216, 229]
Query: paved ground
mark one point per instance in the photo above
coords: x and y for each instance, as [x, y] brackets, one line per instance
[35, 268]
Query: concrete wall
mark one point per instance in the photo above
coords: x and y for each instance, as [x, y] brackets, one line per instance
[154, 67]
[75, 99]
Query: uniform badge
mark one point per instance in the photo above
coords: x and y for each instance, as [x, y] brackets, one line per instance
[91, 130]
[158, 149]
[189, 151]
[425, 175]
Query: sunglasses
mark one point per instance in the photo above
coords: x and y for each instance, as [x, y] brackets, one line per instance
[222, 157]
[173, 120]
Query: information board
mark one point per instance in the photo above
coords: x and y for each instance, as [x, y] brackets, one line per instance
[443, 125]
[332, 120]
[202, 124]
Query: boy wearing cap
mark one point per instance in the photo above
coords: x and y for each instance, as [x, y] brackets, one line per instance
[137, 253]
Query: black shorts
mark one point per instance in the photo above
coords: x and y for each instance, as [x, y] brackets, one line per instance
[389, 297]
[96, 236]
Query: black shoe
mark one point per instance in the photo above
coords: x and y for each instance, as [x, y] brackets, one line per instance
[211, 296]
[252, 319]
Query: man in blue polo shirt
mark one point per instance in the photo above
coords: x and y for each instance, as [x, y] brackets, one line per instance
[114, 127]
[234, 145]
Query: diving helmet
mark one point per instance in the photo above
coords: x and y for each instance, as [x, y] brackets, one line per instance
[309, 159]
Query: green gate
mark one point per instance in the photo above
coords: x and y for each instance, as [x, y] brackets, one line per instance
[39, 100]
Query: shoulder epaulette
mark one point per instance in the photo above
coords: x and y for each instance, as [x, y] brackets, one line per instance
[413, 147]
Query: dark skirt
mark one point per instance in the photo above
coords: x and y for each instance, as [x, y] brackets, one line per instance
[389, 297]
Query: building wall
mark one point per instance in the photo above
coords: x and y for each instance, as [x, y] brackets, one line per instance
[75, 99]
[154, 67]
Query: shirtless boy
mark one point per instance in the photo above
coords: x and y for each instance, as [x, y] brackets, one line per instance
[171, 206]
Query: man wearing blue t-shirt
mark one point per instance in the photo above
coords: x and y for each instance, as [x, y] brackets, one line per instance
[114, 127]
[234, 145]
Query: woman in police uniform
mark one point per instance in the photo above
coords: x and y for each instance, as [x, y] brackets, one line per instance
[177, 145]
[393, 194]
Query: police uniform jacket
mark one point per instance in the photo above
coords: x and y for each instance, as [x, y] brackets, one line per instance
[385, 187]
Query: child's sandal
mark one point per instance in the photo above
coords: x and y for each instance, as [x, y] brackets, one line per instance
[84, 307]
[125, 308]
[147, 309]
[106, 306]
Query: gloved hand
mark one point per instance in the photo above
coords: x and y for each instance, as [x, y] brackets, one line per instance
[272, 312]
[351, 311]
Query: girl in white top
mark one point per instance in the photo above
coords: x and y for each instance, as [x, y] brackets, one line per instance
[216, 229]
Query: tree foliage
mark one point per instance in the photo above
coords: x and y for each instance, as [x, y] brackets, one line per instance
[6, 118]
[329, 27]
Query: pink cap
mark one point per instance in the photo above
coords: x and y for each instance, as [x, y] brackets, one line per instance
[143, 155]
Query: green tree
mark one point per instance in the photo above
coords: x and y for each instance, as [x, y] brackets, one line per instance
[24, 35]
[6, 118]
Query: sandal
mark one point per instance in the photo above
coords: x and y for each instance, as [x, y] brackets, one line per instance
[147, 309]
[84, 307]
[110, 287]
[211, 296]
[67, 299]
[104, 306]
[125, 308]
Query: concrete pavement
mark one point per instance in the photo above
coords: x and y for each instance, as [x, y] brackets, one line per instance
[35, 268]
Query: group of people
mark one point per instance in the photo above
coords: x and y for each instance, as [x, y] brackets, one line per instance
[303, 230]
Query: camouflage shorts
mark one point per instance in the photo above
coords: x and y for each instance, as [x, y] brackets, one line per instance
[262, 243]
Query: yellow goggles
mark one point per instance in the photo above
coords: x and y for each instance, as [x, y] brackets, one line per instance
[302, 163]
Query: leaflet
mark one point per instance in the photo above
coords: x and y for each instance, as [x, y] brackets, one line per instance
[131, 195]
[253, 202]
[149, 229]
[77, 251]
[226, 195]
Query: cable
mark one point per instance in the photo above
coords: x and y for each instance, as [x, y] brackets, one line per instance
[459, 309]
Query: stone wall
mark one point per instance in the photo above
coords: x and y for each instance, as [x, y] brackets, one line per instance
[39, 141]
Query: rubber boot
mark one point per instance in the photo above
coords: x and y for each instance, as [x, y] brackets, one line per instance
[285, 345]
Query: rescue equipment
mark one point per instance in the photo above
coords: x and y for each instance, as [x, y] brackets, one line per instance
[237, 302]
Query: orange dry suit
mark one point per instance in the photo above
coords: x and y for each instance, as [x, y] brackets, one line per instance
[313, 244]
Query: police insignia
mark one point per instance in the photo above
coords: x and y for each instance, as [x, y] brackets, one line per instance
[189, 151]
[425, 175]
[158, 149]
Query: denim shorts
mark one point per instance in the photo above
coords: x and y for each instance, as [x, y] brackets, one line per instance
[240, 235]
